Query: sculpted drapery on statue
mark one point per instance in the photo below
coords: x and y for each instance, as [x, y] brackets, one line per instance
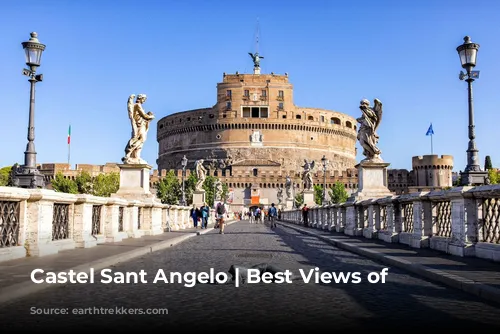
[288, 186]
[201, 174]
[140, 125]
[218, 190]
[367, 134]
[307, 175]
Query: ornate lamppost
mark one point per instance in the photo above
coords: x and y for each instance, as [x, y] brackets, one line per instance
[324, 161]
[27, 175]
[184, 162]
[472, 175]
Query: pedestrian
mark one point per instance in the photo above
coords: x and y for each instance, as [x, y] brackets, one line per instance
[194, 216]
[305, 215]
[272, 215]
[221, 210]
[205, 213]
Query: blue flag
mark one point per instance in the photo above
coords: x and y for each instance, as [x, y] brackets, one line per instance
[430, 131]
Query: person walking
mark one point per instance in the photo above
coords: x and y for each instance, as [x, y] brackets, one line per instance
[205, 213]
[305, 215]
[194, 213]
[273, 213]
[221, 211]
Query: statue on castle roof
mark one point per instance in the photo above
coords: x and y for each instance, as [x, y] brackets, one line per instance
[256, 59]
[367, 133]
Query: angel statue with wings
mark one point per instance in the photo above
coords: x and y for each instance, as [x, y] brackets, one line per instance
[307, 175]
[256, 59]
[369, 123]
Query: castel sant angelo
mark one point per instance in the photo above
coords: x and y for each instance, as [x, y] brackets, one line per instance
[254, 136]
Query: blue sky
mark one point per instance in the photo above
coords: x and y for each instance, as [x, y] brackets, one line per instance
[336, 53]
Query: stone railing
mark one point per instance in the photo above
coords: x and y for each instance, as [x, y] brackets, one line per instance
[461, 221]
[38, 222]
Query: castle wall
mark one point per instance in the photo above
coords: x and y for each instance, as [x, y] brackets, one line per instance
[433, 170]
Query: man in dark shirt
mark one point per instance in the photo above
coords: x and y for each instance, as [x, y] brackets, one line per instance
[221, 211]
[305, 215]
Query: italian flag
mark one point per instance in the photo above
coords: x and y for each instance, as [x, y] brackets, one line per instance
[69, 135]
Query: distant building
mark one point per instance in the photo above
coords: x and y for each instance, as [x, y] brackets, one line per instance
[51, 169]
[429, 172]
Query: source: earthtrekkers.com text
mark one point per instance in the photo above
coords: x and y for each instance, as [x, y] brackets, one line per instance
[98, 311]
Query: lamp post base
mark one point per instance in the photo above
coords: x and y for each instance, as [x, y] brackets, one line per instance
[473, 178]
[26, 177]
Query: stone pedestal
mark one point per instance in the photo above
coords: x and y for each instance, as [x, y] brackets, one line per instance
[289, 204]
[473, 178]
[309, 197]
[372, 176]
[199, 198]
[134, 181]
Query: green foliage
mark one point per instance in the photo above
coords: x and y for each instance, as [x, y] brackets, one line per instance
[338, 194]
[494, 176]
[225, 191]
[63, 185]
[487, 163]
[5, 175]
[169, 189]
[189, 186]
[84, 183]
[299, 200]
[456, 183]
[104, 185]
[208, 186]
[318, 194]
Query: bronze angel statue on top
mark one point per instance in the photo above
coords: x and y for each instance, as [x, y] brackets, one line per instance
[256, 59]
[369, 123]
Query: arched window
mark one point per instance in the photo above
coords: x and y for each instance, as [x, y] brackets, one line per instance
[335, 120]
[255, 172]
[348, 124]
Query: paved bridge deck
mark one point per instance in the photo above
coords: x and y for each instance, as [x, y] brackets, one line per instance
[404, 301]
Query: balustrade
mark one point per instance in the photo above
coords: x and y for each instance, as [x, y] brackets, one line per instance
[461, 221]
[38, 222]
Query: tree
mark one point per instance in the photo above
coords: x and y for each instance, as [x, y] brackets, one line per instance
[487, 163]
[189, 186]
[299, 200]
[338, 194]
[209, 187]
[494, 176]
[318, 194]
[169, 189]
[63, 185]
[4, 176]
[225, 191]
[103, 185]
[84, 183]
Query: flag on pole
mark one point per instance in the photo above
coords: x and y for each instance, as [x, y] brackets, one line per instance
[69, 135]
[430, 131]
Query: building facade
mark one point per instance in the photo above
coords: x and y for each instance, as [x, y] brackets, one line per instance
[261, 136]
[49, 170]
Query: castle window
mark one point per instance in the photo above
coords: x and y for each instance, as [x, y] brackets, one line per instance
[246, 93]
[334, 120]
[188, 119]
[322, 118]
[281, 94]
[228, 105]
[229, 93]
[284, 116]
[255, 172]
[310, 118]
[211, 116]
[224, 115]
[218, 136]
[161, 126]
[280, 106]
[348, 124]
[298, 117]
[255, 112]
[264, 93]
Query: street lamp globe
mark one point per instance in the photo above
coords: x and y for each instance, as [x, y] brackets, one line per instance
[324, 160]
[468, 53]
[33, 49]
[184, 162]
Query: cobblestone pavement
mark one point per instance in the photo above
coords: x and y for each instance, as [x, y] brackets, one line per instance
[403, 303]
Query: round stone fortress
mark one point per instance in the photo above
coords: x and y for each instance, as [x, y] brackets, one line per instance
[255, 122]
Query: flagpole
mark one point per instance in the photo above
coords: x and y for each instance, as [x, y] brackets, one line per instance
[69, 146]
[432, 150]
